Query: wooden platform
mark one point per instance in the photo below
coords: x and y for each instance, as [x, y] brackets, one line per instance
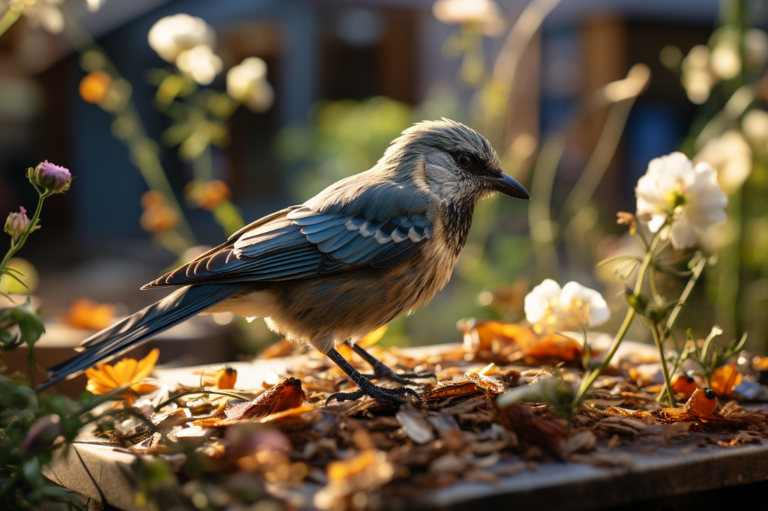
[102, 473]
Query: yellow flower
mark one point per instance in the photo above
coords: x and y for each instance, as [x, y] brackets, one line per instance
[127, 373]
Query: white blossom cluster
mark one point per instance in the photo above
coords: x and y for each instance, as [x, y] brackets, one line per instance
[189, 42]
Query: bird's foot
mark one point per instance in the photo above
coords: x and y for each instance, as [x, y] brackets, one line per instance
[386, 395]
[382, 372]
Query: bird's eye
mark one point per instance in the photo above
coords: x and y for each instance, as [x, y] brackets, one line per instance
[464, 160]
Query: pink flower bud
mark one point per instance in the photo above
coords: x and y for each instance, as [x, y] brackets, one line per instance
[16, 223]
[51, 177]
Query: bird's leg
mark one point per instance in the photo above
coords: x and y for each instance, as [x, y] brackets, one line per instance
[365, 386]
[381, 371]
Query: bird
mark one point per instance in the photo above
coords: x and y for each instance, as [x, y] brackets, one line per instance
[365, 250]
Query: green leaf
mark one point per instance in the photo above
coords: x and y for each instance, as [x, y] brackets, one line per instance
[690, 337]
[620, 258]
[716, 330]
[670, 271]
[9, 341]
[30, 325]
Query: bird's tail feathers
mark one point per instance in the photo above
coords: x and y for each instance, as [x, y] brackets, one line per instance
[140, 327]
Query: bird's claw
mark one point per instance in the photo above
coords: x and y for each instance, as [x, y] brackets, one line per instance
[387, 395]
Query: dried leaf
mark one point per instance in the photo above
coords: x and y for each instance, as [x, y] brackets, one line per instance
[554, 346]
[464, 406]
[282, 396]
[281, 348]
[415, 426]
[666, 432]
[535, 430]
[491, 385]
[448, 463]
[463, 389]
[581, 440]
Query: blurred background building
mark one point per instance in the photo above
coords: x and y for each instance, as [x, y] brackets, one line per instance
[347, 77]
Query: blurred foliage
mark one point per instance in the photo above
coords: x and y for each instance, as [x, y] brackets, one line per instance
[342, 138]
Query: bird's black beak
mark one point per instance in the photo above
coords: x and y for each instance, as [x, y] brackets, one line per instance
[509, 186]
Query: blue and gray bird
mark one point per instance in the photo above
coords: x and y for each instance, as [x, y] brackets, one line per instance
[364, 251]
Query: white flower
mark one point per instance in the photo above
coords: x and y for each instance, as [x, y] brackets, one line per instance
[247, 82]
[725, 60]
[550, 308]
[94, 5]
[731, 156]
[755, 125]
[673, 189]
[697, 76]
[200, 63]
[483, 13]
[174, 34]
[39, 12]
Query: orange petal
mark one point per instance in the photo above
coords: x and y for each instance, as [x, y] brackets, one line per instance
[146, 365]
[110, 372]
[143, 388]
[125, 371]
[95, 387]
[102, 375]
[725, 378]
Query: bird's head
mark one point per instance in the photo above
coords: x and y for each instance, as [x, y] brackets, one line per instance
[453, 161]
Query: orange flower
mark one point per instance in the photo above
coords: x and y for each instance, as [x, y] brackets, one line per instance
[83, 313]
[760, 363]
[209, 195]
[127, 373]
[94, 86]
[725, 378]
[160, 219]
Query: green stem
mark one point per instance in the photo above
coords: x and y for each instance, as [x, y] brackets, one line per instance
[141, 147]
[697, 270]
[664, 368]
[652, 282]
[15, 247]
[9, 18]
[217, 392]
[587, 382]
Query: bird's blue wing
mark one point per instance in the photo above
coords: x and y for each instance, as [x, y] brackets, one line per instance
[303, 243]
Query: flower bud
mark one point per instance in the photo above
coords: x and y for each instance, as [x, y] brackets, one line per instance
[51, 177]
[16, 223]
[43, 434]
